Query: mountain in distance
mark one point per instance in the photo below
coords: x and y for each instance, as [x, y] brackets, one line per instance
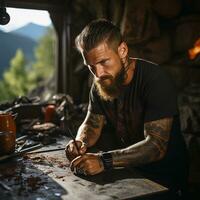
[24, 38]
[31, 30]
[9, 43]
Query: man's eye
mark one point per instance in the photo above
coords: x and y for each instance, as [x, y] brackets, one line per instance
[104, 62]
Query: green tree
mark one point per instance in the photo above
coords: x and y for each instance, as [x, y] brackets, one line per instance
[15, 80]
[44, 65]
[5, 94]
[21, 77]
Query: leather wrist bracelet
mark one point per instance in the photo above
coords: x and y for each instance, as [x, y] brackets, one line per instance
[107, 160]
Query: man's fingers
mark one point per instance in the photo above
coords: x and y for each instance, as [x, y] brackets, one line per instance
[74, 150]
[71, 147]
[83, 149]
[75, 162]
[68, 146]
[81, 165]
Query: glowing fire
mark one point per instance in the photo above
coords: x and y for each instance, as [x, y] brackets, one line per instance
[195, 50]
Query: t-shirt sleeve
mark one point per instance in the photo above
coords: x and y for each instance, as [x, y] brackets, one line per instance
[160, 97]
[94, 102]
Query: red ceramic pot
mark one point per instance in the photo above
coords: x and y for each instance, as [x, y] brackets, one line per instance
[7, 133]
[7, 143]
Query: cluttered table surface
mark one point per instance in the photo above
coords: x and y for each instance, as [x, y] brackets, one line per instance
[47, 175]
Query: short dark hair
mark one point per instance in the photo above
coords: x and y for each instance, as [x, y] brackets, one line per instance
[96, 32]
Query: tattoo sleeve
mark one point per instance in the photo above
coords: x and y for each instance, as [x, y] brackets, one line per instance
[90, 129]
[152, 148]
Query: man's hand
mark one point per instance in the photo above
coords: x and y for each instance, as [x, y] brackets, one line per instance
[89, 164]
[71, 150]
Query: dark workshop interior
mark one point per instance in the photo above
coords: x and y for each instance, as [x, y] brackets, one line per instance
[166, 32]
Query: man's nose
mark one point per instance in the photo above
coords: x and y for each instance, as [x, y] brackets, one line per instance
[99, 71]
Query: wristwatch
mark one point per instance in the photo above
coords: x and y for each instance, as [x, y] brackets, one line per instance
[107, 160]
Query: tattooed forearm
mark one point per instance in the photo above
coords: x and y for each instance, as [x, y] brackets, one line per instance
[152, 148]
[86, 134]
[94, 120]
[90, 129]
[159, 133]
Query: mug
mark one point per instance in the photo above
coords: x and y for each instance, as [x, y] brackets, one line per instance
[7, 143]
[7, 122]
[7, 133]
[49, 113]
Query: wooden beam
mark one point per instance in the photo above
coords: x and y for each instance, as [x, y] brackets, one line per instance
[67, 52]
[62, 24]
[58, 20]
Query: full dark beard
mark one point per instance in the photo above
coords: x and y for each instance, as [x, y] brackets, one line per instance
[111, 91]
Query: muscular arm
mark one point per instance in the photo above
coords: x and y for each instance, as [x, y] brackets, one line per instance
[90, 129]
[152, 148]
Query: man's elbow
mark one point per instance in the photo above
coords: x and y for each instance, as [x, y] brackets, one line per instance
[162, 152]
[162, 155]
[160, 149]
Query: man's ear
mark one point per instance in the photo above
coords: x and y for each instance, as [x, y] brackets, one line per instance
[123, 50]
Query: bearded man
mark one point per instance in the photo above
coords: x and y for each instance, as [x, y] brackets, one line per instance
[136, 99]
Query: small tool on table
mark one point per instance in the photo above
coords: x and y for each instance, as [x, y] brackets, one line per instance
[47, 150]
[23, 151]
[5, 186]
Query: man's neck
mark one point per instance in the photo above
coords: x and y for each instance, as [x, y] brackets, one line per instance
[130, 72]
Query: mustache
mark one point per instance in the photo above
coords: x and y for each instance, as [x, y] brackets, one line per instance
[103, 78]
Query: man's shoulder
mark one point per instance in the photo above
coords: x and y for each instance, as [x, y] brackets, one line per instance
[150, 70]
[145, 62]
[146, 65]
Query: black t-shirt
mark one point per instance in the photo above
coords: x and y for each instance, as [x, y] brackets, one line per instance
[149, 96]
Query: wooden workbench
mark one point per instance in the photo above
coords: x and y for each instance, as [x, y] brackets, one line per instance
[47, 176]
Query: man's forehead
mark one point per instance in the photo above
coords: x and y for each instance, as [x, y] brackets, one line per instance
[98, 48]
[97, 53]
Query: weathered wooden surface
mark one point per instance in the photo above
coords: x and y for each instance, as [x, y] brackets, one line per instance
[47, 176]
